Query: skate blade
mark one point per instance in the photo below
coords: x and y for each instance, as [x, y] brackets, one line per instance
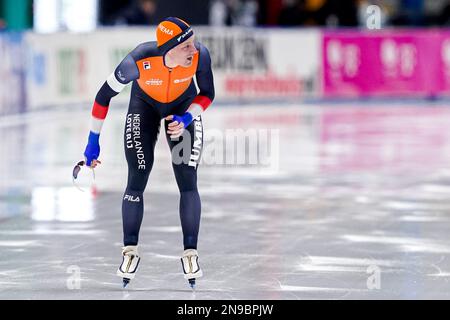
[192, 283]
[125, 282]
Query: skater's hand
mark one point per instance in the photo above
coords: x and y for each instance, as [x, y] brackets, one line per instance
[91, 154]
[94, 163]
[92, 151]
[176, 127]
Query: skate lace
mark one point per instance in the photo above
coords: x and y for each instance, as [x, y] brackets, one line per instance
[127, 251]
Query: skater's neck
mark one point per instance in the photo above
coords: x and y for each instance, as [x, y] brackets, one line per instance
[169, 63]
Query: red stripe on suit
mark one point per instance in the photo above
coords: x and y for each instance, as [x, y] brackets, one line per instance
[203, 101]
[99, 111]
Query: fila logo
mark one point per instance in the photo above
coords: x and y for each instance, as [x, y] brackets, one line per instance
[166, 30]
[132, 198]
[147, 65]
[184, 34]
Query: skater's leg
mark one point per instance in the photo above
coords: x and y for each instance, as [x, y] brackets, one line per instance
[185, 168]
[141, 132]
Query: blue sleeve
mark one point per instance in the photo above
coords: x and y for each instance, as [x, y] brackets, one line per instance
[204, 75]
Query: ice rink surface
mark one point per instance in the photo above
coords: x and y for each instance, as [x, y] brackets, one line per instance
[352, 202]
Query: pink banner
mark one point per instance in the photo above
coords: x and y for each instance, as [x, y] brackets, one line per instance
[443, 75]
[384, 63]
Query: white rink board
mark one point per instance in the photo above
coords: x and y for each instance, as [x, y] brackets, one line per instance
[248, 64]
[73, 67]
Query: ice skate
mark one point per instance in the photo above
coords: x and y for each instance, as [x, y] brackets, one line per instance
[191, 268]
[130, 262]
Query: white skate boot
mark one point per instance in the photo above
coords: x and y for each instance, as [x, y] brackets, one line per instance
[191, 268]
[130, 262]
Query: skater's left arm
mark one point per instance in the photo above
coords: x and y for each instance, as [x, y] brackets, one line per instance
[204, 98]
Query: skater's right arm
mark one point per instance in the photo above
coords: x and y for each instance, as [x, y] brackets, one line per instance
[125, 72]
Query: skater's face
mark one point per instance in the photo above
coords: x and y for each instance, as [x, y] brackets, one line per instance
[183, 54]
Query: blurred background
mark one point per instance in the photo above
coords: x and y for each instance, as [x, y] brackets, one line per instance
[57, 15]
[283, 50]
[354, 94]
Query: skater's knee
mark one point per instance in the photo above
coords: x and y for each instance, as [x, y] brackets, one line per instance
[186, 182]
[137, 182]
[136, 187]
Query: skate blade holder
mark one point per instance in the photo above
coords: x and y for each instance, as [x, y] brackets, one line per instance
[75, 172]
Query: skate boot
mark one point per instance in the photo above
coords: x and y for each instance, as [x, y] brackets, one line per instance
[130, 262]
[191, 268]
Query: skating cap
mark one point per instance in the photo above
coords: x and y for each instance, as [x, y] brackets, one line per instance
[171, 32]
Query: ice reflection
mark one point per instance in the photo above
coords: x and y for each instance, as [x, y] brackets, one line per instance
[61, 204]
[377, 138]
